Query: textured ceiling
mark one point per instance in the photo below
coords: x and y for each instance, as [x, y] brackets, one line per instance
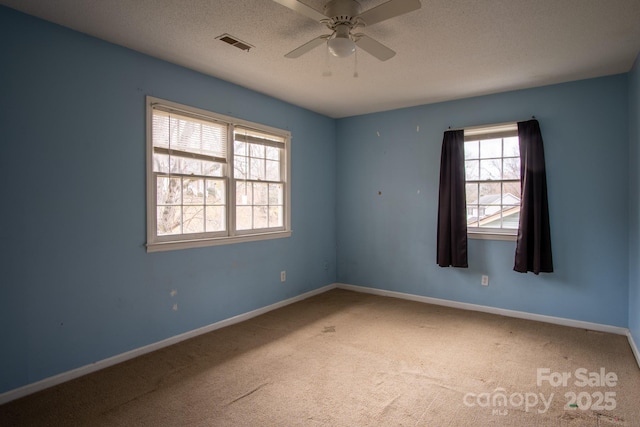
[448, 49]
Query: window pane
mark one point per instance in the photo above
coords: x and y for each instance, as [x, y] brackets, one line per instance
[275, 216]
[471, 191]
[193, 191]
[193, 219]
[240, 148]
[240, 169]
[491, 169]
[275, 194]
[511, 147]
[511, 194]
[257, 169]
[273, 170]
[471, 150]
[160, 163]
[511, 219]
[490, 193]
[260, 193]
[165, 163]
[480, 212]
[273, 153]
[490, 148]
[472, 170]
[260, 217]
[244, 193]
[212, 169]
[216, 218]
[256, 150]
[491, 221]
[243, 217]
[168, 191]
[216, 194]
[186, 166]
[489, 215]
[472, 215]
[511, 168]
[168, 220]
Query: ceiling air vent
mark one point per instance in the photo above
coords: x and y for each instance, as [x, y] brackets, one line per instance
[233, 41]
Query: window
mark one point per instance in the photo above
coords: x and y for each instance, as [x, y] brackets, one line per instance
[213, 179]
[492, 174]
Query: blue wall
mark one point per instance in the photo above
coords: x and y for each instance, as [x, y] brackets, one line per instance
[634, 199]
[388, 240]
[77, 284]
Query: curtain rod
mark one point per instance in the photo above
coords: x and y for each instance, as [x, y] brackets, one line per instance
[490, 125]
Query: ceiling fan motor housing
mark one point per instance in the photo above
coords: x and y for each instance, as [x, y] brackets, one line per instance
[342, 10]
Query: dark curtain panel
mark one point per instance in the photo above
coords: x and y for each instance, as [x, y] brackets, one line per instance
[452, 209]
[533, 247]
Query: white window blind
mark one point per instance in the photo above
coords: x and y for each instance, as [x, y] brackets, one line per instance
[188, 136]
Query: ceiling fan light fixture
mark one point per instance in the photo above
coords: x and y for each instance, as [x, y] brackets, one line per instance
[341, 46]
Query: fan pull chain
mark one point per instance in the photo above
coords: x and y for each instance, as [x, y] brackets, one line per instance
[327, 71]
[355, 65]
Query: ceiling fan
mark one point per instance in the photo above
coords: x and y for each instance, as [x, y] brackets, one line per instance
[342, 17]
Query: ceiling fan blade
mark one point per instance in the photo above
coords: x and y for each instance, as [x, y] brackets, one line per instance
[302, 9]
[307, 46]
[387, 10]
[373, 47]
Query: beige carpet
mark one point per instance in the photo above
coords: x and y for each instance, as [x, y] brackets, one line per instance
[349, 359]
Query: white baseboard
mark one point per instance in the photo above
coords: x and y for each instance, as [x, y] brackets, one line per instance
[501, 311]
[488, 309]
[119, 358]
[122, 357]
[634, 348]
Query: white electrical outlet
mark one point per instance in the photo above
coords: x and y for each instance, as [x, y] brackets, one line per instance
[283, 276]
[485, 281]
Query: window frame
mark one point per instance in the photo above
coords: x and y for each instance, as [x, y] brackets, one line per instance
[484, 132]
[156, 243]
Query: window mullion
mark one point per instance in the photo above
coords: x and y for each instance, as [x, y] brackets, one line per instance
[231, 193]
[285, 185]
[180, 186]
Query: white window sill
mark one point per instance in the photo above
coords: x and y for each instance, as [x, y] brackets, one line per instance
[201, 243]
[492, 235]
